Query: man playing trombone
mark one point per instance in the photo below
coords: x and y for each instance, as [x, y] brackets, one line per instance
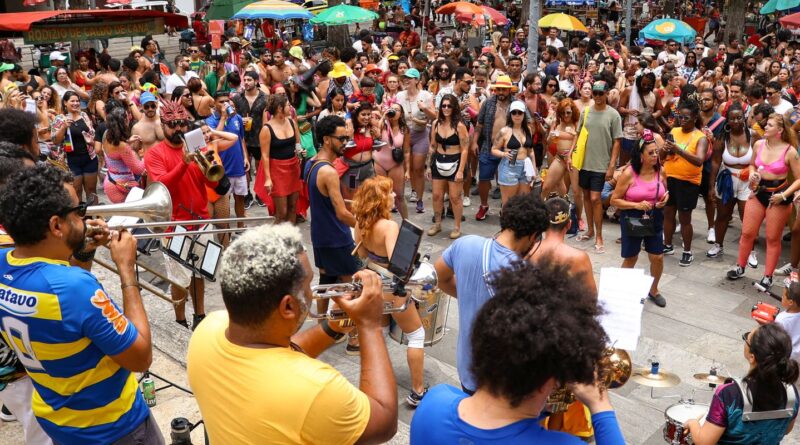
[74, 342]
[170, 163]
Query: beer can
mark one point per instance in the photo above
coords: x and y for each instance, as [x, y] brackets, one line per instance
[149, 391]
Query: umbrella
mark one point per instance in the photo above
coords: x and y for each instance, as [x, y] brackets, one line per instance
[791, 21]
[665, 29]
[778, 5]
[562, 21]
[343, 15]
[273, 9]
[494, 16]
[562, 3]
[460, 8]
[225, 9]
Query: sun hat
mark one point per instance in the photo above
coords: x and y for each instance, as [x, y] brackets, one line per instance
[503, 82]
[340, 69]
[150, 88]
[648, 52]
[296, 52]
[235, 40]
[393, 57]
[517, 105]
[372, 67]
[412, 73]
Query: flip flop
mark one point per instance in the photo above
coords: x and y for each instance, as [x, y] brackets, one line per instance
[599, 249]
[583, 237]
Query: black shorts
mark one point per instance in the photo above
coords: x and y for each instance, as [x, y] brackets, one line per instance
[82, 164]
[591, 180]
[682, 194]
[255, 152]
[704, 182]
[336, 261]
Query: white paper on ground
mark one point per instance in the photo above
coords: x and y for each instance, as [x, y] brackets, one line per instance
[135, 194]
[621, 294]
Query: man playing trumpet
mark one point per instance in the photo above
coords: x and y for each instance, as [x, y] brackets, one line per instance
[170, 163]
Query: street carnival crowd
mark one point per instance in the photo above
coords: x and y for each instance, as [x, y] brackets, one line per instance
[343, 137]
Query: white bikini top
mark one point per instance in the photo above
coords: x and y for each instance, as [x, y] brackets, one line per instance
[729, 159]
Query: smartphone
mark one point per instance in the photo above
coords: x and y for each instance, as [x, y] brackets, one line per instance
[30, 105]
[404, 255]
[669, 138]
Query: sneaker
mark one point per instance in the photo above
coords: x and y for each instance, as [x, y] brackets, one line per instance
[248, 201]
[658, 299]
[669, 249]
[752, 260]
[475, 191]
[466, 202]
[715, 251]
[196, 319]
[420, 207]
[413, 399]
[413, 197]
[735, 273]
[786, 269]
[435, 229]
[496, 193]
[351, 349]
[260, 203]
[764, 284]
[482, 211]
[183, 323]
[686, 259]
[6, 416]
[712, 236]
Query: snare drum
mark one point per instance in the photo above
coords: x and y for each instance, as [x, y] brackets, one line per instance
[432, 311]
[676, 416]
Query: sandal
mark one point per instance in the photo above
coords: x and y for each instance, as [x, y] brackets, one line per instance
[598, 248]
[584, 237]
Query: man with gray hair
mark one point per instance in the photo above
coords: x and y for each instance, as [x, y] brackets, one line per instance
[255, 376]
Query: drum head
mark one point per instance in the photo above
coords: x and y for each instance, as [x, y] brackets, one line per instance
[681, 412]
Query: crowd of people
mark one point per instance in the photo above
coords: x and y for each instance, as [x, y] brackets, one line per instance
[597, 131]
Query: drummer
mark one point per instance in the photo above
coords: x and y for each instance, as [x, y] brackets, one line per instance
[770, 388]
[376, 234]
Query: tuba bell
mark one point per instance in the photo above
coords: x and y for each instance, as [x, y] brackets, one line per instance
[614, 369]
[305, 81]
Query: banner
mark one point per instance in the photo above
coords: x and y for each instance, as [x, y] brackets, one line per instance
[50, 33]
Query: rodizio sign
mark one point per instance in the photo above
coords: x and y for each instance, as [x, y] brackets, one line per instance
[51, 33]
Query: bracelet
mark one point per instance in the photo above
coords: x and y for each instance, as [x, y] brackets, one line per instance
[326, 327]
[124, 285]
[84, 257]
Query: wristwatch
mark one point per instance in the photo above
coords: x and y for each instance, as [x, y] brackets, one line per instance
[326, 327]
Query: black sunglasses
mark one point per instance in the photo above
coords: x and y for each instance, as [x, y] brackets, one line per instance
[177, 123]
[551, 85]
[150, 106]
[517, 112]
[744, 337]
[341, 139]
[446, 105]
[598, 93]
[80, 209]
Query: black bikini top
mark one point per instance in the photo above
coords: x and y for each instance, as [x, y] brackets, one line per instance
[449, 140]
[513, 143]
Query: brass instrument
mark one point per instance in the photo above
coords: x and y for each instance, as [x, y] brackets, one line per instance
[614, 369]
[422, 281]
[208, 164]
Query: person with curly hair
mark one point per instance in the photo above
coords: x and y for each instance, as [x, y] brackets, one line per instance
[376, 235]
[524, 345]
[767, 391]
[465, 266]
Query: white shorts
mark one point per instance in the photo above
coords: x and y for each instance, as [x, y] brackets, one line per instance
[741, 189]
[239, 185]
[17, 398]
[178, 273]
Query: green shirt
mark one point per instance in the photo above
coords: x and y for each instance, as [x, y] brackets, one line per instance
[604, 127]
[197, 67]
[211, 83]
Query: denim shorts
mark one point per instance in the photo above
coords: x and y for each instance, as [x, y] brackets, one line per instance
[511, 175]
[607, 191]
[487, 166]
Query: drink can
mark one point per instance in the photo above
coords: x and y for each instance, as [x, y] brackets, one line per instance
[231, 110]
[513, 160]
[149, 391]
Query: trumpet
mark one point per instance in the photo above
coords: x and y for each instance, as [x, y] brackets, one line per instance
[614, 369]
[208, 164]
[418, 288]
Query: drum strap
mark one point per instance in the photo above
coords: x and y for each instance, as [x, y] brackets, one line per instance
[747, 410]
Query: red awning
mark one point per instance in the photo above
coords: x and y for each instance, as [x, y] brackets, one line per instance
[22, 21]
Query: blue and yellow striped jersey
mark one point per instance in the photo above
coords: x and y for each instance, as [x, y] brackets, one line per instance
[65, 329]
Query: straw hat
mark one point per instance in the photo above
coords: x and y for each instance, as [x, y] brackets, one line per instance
[504, 82]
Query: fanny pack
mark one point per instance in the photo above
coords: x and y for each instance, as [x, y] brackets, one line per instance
[446, 168]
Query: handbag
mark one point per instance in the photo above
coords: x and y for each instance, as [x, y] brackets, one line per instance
[580, 146]
[642, 226]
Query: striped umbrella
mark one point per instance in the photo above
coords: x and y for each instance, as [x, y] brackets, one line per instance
[273, 9]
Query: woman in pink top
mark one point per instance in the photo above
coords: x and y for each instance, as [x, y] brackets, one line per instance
[394, 132]
[125, 168]
[641, 193]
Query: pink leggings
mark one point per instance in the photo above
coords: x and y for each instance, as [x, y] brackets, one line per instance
[754, 213]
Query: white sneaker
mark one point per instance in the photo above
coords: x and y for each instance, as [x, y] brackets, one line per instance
[678, 228]
[752, 260]
[715, 251]
[712, 236]
[413, 197]
[466, 201]
[786, 269]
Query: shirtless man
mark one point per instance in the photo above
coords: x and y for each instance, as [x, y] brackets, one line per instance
[280, 71]
[554, 247]
[109, 68]
[149, 127]
[264, 64]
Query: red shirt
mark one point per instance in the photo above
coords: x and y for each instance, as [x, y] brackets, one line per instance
[186, 183]
[409, 39]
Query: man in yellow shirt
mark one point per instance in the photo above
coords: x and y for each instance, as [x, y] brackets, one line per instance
[255, 376]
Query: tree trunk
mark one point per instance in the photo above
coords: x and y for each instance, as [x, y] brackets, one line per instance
[338, 36]
[669, 8]
[524, 12]
[734, 19]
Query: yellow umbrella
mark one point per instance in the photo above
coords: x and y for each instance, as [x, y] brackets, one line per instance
[562, 21]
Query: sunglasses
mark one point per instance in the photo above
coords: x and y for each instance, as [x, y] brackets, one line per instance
[517, 113]
[186, 95]
[444, 70]
[341, 139]
[446, 106]
[468, 82]
[598, 93]
[80, 209]
[744, 337]
[150, 106]
[177, 123]
[551, 85]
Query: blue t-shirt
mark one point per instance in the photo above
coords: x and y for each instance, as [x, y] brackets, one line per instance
[65, 329]
[436, 421]
[232, 158]
[465, 258]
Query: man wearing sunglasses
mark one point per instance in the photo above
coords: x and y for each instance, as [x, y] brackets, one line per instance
[170, 163]
[75, 343]
[149, 128]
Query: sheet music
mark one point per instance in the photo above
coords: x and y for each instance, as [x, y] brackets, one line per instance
[621, 293]
[135, 194]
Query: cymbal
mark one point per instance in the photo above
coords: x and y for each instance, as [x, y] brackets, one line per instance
[660, 380]
[710, 378]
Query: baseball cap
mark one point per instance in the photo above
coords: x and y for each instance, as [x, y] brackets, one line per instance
[393, 57]
[412, 73]
[56, 55]
[147, 98]
[599, 86]
[6, 67]
[517, 105]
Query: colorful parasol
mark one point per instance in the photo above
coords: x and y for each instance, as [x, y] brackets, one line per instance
[479, 19]
[773, 6]
[665, 29]
[460, 8]
[273, 9]
[562, 21]
[343, 15]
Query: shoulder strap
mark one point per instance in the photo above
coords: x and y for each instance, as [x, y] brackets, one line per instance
[313, 166]
[485, 265]
[716, 123]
